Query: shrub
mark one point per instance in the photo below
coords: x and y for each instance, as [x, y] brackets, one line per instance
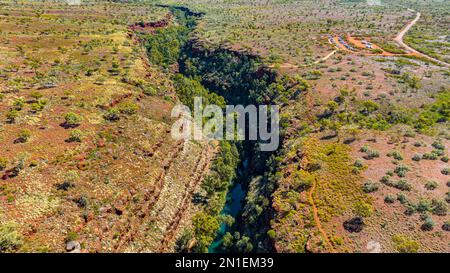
[3, 163]
[447, 197]
[75, 136]
[19, 104]
[417, 157]
[364, 149]
[112, 114]
[370, 186]
[362, 209]
[301, 184]
[24, 135]
[358, 163]
[387, 181]
[149, 90]
[389, 199]
[401, 170]
[36, 95]
[410, 210]
[404, 245]
[127, 108]
[82, 202]
[72, 119]
[205, 228]
[182, 243]
[69, 182]
[271, 233]
[12, 115]
[445, 171]
[39, 105]
[403, 185]
[396, 155]
[10, 238]
[402, 198]
[371, 154]
[446, 226]
[438, 145]
[445, 159]
[71, 236]
[423, 206]
[430, 156]
[439, 207]
[431, 185]
[244, 245]
[428, 225]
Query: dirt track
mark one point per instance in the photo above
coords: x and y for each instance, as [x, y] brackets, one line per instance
[399, 40]
[317, 219]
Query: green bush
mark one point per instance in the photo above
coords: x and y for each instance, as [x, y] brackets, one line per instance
[12, 115]
[401, 170]
[358, 163]
[428, 225]
[75, 136]
[438, 145]
[205, 227]
[271, 234]
[39, 105]
[149, 90]
[19, 104]
[445, 171]
[72, 119]
[446, 226]
[362, 209]
[370, 186]
[396, 155]
[71, 236]
[24, 135]
[127, 108]
[439, 207]
[10, 238]
[364, 149]
[112, 114]
[389, 199]
[36, 95]
[431, 185]
[403, 185]
[424, 205]
[430, 156]
[404, 245]
[3, 163]
[402, 198]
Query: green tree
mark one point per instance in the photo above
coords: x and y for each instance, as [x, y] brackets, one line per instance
[205, 228]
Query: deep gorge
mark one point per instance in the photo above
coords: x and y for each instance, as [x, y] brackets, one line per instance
[222, 76]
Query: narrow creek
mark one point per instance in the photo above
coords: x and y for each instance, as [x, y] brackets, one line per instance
[233, 207]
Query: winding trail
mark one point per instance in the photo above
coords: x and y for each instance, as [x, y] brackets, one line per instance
[317, 219]
[400, 42]
[288, 65]
[326, 57]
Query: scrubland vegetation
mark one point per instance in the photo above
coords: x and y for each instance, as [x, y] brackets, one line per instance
[88, 164]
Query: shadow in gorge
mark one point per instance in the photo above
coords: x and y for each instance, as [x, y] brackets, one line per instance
[243, 178]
